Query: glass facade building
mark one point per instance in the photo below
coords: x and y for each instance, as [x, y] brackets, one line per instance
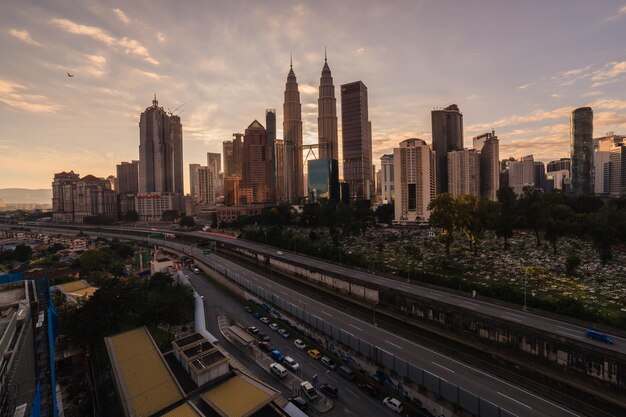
[323, 179]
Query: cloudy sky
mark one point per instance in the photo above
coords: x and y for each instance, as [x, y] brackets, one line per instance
[518, 67]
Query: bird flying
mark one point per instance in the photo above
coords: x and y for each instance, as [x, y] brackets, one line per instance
[70, 75]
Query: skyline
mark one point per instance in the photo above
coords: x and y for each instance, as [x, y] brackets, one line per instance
[229, 63]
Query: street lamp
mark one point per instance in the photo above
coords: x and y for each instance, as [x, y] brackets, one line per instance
[374, 312]
[525, 282]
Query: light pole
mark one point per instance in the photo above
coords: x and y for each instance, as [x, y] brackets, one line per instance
[374, 312]
[525, 282]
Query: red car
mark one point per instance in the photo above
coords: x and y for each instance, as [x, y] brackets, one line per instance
[265, 346]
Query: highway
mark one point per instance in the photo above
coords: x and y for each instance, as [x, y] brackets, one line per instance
[513, 315]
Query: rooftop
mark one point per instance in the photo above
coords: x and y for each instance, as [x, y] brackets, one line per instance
[238, 397]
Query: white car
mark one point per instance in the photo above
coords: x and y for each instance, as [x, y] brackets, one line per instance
[280, 253]
[274, 327]
[291, 363]
[299, 344]
[265, 320]
[393, 404]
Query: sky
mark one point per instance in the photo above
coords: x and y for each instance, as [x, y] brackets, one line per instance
[519, 67]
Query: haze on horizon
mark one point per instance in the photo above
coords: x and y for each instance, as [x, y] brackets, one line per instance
[517, 67]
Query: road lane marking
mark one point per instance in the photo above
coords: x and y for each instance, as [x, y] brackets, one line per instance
[512, 319]
[513, 399]
[569, 334]
[283, 292]
[469, 305]
[352, 392]
[514, 315]
[393, 344]
[511, 413]
[358, 328]
[441, 366]
[433, 295]
[328, 314]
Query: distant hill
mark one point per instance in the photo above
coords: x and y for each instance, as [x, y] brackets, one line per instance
[25, 195]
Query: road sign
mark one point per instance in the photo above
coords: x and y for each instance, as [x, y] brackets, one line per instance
[206, 252]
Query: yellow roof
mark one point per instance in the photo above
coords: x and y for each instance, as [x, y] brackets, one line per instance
[72, 286]
[84, 292]
[145, 382]
[237, 397]
[183, 410]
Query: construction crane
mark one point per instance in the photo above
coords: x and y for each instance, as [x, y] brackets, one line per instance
[171, 112]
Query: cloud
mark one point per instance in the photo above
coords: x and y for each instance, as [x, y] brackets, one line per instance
[307, 89]
[14, 95]
[592, 93]
[569, 77]
[24, 36]
[121, 15]
[556, 95]
[612, 70]
[360, 51]
[160, 36]
[130, 45]
[620, 13]
[535, 116]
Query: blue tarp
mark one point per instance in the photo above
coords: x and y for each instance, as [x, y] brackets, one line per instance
[9, 278]
[35, 411]
[53, 331]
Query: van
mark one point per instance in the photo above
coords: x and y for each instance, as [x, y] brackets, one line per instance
[393, 404]
[308, 390]
[328, 362]
[346, 372]
[278, 370]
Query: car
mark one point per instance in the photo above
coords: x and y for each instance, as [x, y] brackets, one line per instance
[265, 346]
[369, 389]
[291, 363]
[596, 334]
[284, 333]
[274, 326]
[299, 344]
[277, 355]
[328, 362]
[256, 315]
[248, 309]
[278, 370]
[196, 271]
[299, 402]
[264, 336]
[253, 330]
[265, 320]
[308, 390]
[393, 404]
[329, 389]
[314, 354]
[280, 253]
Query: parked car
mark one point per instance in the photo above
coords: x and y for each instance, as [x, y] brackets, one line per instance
[393, 404]
[256, 315]
[369, 389]
[291, 363]
[264, 336]
[328, 362]
[196, 270]
[278, 370]
[265, 346]
[277, 355]
[314, 354]
[284, 333]
[329, 389]
[253, 330]
[299, 402]
[274, 326]
[248, 309]
[299, 344]
[265, 320]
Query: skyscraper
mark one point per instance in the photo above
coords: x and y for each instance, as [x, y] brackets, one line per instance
[327, 115]
[464, 172]
[581, 142]
[206, 182]
[522, 174]
[279, 146]
[489, 147]
[257, 186]
[357, 140]
[160, 151]
[232, 155]
[414, 181]
[447, 131]
[128, 177]
[194, 181]
[387, 178]
[270, 126]
[214, 162]
[292, 131]
[323, 179]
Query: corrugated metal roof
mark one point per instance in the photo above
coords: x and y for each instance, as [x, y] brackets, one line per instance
[73, 286]
[237, 397]
[184, 410]
[147, 384]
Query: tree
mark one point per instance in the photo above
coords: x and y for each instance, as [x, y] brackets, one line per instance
[506, 213]
[571, 263]
[22, 253]
[443, 212]
[531, 210]
[385, 213]
[187, 221]
[557, 222]
[604, 228]
[131, 216]
[473, 216]
[169, 215]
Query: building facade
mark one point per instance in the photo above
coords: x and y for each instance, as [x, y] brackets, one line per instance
[387, 178]
[357, 140]
[74, 198]
[128, 177]
[323, 179]
[581, 142]
[447, 131]
[414, 175]
[63, 189]
[464, 172]
[563, 164]
[270, 126]
[151, 206]
[292, 132]
[327, 116]
[488, 146]
[522, 174]
[194, 181]
[206, 182]
[257, 184]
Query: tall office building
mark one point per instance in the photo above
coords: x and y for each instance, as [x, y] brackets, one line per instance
[232, 150]
[279, 146]
[194, 181]
[257, 186]
[327, 116]
[292, 131]
[464, 172]
[206, 183]
[270, 126]
[563, 164]
[128, 177]
[522, 174]
[214, 162]
[387, 178]
[601, 172]
[227, 151]
[581, 142]
[160, 151]
[414, 175]
[617, 174]
[539, 177]
[323, 179]
[357, 140]
[488, 146]
[447, 131]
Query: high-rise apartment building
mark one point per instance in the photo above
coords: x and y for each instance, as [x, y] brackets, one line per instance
[447, 131]
[563, 164]
[75, 198]
[206, 183]
[522, 174]
[414, 175]
[539, 177]
[63, 189]
[292, 131]
[194, 181]
[257, 185]
[327, 116]
[214, 162]
[160, 151]
[464, 172]
[357, 140]
[617, 174]
[581, 142]
[232, 150]
[601, 172]
[387, 178]
[488, 146]
[128, 177]
[279, 147]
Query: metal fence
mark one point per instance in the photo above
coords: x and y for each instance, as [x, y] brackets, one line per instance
[453, 393]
